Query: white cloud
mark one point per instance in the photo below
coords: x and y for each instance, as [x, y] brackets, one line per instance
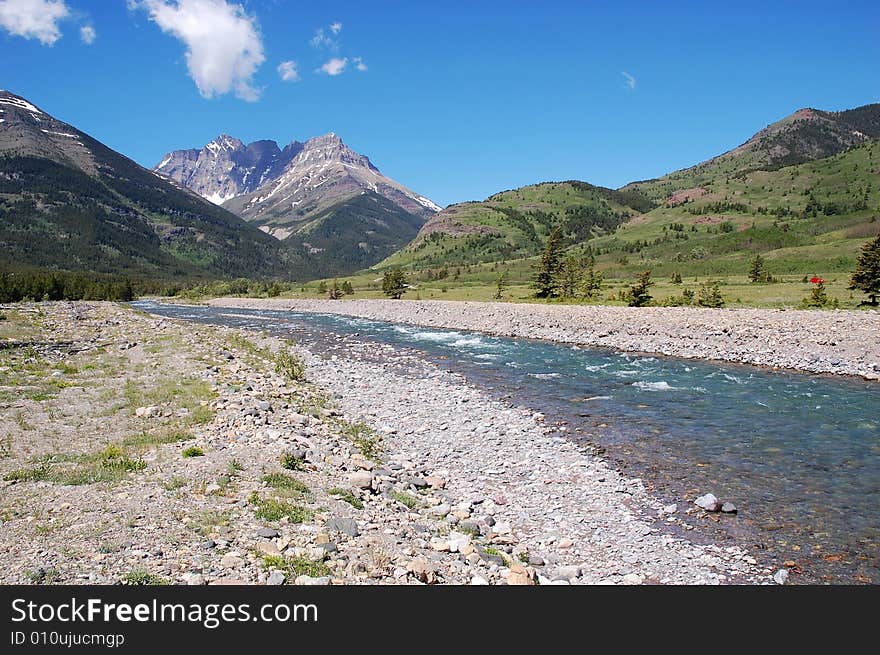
[336, 27]
[288, 71]
[334, 66]
[223, 43]
[323, 40]
[33, 19]
[629, 80]
[88, 34]
[359, 64]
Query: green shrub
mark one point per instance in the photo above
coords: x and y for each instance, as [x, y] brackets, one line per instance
[347, 496]
[193, 451]
[290, 365]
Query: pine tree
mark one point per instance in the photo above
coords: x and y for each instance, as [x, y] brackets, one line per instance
[756, 270]
[638, 293]
[818, 296]
[394, 283]
[709, 295]
[676, 278]
[570, 277]
[347, 289]
[500, 285]
[592, 282]
[546, 277]
[866, 277]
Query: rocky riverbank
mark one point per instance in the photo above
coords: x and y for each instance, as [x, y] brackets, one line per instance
[838, 342]
[144, 450]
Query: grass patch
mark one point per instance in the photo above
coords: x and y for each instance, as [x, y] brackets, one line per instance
[292, 567]
[347, 496]
[233, 467]
[175, 483]
[146, 439]
[193, 451]
[291, 462]
[290, 365]
[32, 474]
[364, 437]
[110, 465]
[141, 578]
[285, 482]
[406, 499]
[270, 509]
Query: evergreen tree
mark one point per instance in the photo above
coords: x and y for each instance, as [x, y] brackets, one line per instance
[676, 278]
[866, 277]
[570, 277]
[638, 293]
[347, 289]
[592, 282]
[546, 277]
[818, 296]
[394, 283]
[709, 295]
[500, 285]
[756, 270]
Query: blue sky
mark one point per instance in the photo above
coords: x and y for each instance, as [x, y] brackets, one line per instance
[458, 100]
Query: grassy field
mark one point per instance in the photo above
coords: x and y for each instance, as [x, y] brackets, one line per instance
[480, 285]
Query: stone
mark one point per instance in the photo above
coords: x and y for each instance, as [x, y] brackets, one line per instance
[670, 509]
[361, 479]
[343, 525]
[457, 541]
[781, 576]
[264, 406]
[231, 561]
[478, 580]
[422, 570]
[275, 578]
[268, 533]
[309, 581]
[518, 574]
[440, 510]
[194, 579]
[728, 508]
[470, 527]
[565, 543]
[267, 547]
[632, 579]
[416, 481]
[435, 481]
[566, 572]
[708, 502]
[439, 544]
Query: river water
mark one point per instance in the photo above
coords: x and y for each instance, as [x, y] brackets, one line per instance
[798, 454]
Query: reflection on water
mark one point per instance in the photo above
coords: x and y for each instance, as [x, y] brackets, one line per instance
[798, 454]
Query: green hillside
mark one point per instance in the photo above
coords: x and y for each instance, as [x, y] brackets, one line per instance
[807, 218]
[515, 224]
[352, 235]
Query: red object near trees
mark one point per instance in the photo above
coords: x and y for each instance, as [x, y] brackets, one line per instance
[817, 280]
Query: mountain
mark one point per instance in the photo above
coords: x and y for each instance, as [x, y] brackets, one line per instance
[69, 202]
[295, 194]
[226, 168]
[515, 224]
[806, 135]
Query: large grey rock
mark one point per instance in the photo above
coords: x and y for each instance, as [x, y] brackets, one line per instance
[343, 525]
[708, 502]
[361, 479]
[275, 578]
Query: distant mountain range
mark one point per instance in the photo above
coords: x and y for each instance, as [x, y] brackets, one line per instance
[319, 196]
[69, 202]
[804, 189]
